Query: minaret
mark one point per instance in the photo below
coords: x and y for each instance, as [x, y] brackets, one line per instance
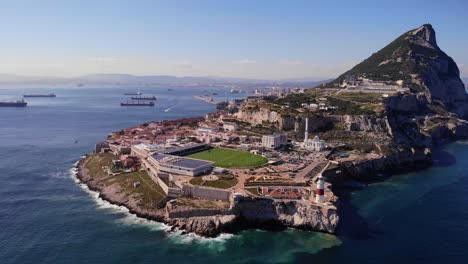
[306, 134]
[319, 196]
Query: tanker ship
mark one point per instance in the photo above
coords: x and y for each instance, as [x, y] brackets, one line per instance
[40, 95]
[19, 103]
[143, 98]
[137, 104]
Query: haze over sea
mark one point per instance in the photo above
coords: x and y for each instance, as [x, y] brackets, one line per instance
[47, 217]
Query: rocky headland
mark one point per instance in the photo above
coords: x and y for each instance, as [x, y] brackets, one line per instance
[242, 213]
[384, 134]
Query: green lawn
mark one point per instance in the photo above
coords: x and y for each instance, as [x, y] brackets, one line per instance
[253, 191]
[220, 184]
[95, 162]
[150, 193]
[228, 158]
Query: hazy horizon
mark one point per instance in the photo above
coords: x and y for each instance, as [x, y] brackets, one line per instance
[250, 40]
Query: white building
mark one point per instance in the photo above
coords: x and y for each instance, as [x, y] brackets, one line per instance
[274, 141]
[179, 165]
[230, 126]
[206, 130]
[315, 144]
[313, 106]
[141, 150]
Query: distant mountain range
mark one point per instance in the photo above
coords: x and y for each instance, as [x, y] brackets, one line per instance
[465, 81]
[152, 80]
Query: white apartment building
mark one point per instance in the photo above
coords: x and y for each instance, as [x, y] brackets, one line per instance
[275, 140]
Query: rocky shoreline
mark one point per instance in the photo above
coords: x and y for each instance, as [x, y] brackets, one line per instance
[248, 213]
[244, 213]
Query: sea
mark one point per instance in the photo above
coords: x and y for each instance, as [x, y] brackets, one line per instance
[46, 216]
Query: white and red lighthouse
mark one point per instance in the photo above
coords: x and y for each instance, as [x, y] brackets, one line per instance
[320, 193]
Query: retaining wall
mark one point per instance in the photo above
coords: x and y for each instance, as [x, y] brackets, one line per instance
[207, 193]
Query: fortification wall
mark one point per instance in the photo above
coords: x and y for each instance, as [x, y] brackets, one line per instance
[206, 193]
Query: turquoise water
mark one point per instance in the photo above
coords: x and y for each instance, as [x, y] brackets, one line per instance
[47, 217]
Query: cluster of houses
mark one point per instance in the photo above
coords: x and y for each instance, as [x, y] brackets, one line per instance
[161, 149]
[321, 104]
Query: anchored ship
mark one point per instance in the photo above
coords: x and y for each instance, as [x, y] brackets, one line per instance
[137, 104]
[40, 95]
[19, 103]
[143, 98]
[137, 93]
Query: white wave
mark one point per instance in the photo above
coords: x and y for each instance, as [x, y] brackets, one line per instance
[463, 142]
[179, 237]
[58, 175]
[129, 218]
[72, 172]
[133, 220]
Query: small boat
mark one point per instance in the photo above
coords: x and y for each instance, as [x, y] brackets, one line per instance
[40, 95]
[137, 104]
[19, 103]
[143, 98]
[136, 93]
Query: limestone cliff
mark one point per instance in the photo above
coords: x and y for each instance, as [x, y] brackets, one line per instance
[400, 160]
[258, 116]
[295, 214]
[365, 123]
[246, 212]
[415, 59]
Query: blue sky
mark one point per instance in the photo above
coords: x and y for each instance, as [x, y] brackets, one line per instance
[252, 39]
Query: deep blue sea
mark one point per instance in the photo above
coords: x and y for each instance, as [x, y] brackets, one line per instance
[47, 217]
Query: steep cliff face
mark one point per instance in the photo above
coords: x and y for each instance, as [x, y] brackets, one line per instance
[402, 160]
[208, 226]
[258, 116]
[407, 103]
[365, 123]
[416, 59]
[249, 212]
[296, 214]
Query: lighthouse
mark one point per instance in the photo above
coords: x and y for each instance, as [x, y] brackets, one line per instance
[319, 196]
[306, 133]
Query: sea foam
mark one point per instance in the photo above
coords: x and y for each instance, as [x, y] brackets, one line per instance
[130, 219]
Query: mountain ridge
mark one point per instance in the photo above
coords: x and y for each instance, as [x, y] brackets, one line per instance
[148, 80]
[415, 60]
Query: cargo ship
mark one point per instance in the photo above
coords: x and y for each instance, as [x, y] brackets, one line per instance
[143, 98]
[19, 103]
[137, 93]
[137, 104]
[40, 95]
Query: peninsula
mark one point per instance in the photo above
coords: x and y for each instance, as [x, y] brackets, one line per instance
[274, 159]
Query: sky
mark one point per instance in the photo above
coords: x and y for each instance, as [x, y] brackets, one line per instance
[233, 38]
